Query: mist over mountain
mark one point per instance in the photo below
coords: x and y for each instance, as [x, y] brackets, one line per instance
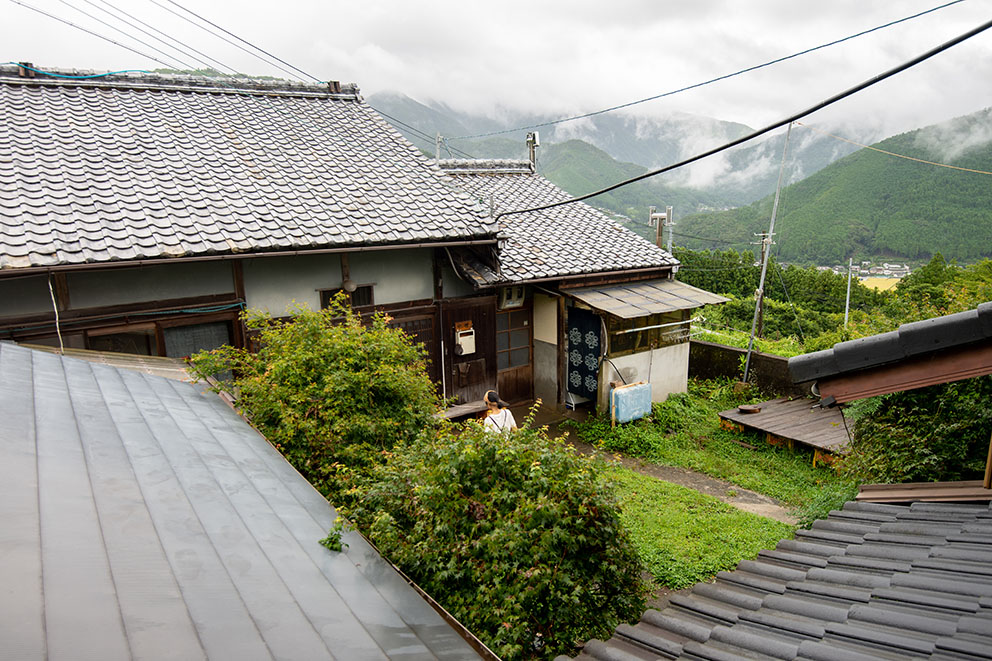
[872, 204]
[730, 179]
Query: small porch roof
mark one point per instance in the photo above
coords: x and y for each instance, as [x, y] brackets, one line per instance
[631, 300]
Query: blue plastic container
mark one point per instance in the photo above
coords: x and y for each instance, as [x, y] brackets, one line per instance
[630, 402]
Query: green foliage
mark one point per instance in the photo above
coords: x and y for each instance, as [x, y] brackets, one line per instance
[330, 393]
[685, 432]
[333, 540]
[871, 204]
[937, 433]
[830, 496]
[685, 536]
[517, 536]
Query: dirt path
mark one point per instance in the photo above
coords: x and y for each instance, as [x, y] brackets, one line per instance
[749, 501]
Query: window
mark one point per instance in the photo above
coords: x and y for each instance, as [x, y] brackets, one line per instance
[360, 298]
[512, 339]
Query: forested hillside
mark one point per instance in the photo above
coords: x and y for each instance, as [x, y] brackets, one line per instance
[874, 204]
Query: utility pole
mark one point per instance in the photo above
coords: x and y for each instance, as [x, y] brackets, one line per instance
[847, 303]
[766, 242]
[764, 260]
[437, 147]
[670, 223]
[660, 221]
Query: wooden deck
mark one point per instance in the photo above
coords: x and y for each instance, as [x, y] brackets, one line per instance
[964, 491]
[790, 421]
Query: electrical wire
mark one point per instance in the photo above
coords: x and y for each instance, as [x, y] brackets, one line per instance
[95, 34]
[771, 127]
[156, 30]
[706, 238]
[221, 37]
[244, 41]
[161, 52]
[712, 80]
[420, 134]
[889, 153]
[789, 298]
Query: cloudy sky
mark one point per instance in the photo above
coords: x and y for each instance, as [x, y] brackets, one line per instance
[561, 57]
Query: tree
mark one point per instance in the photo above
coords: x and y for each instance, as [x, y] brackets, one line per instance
[514, 534]
[333, 395]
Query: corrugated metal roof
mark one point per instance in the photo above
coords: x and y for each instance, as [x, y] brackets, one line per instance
[566, 240]
[139, 166]
[913, 339]
[142, 518]
[870, 581]
[639, 299]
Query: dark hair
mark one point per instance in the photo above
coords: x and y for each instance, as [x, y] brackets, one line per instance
[493, 398]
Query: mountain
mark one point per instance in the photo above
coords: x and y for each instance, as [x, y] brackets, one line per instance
[730, 179]
[872, 204]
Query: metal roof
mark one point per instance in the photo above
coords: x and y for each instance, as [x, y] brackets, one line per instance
[567, 240]
[869, 582]
[143, 518]
[639, 299]
[910, 340]
[136, 166]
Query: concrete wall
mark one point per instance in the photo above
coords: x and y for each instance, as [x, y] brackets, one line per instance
[274, 283]
[118, 286]
[666, 369]
[23, 296]
[770, 373]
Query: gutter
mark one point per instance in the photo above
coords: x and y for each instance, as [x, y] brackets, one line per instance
[124, 263]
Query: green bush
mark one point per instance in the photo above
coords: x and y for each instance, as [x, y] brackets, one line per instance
[517, 536]
[936, 433]
[330, 393]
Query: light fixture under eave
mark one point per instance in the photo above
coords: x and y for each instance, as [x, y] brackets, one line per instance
[349, 285]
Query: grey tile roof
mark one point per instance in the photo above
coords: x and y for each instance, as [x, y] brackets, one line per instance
[144, 166]
[142, 518]
[567, 240]
[869, 582]
[910, 340]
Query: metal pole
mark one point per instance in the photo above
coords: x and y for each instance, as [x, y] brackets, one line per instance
[847, 303]
[653, 218]
[764, 262]
[670, 221]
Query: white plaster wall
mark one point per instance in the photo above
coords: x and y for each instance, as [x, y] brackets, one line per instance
[666, 369]
[545, 318]
[275, 283]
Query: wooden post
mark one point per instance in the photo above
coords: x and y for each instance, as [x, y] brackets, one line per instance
[988, 468]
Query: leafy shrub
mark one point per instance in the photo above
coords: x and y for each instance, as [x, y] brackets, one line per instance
[329, 392]
[831, 495]
[517, 536]
[929, 434]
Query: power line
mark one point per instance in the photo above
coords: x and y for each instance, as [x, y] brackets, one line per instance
[261, 50]
[712, 80]
[890, 153]
[706, 238]
[771, 127]
[131, 36]
[417, 133]
[221, 37]
[91, 32]
[156, 30]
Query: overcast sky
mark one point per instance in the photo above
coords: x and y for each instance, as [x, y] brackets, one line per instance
[565, 57]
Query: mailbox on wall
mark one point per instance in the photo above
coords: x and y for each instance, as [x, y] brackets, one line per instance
[464, 338]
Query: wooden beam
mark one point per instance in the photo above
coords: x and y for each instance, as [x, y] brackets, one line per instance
[955, 364]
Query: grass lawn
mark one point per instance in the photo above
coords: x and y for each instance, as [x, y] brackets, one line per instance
[683, 536]
[685, 431]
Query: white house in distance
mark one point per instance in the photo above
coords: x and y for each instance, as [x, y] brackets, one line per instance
[141, 213]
